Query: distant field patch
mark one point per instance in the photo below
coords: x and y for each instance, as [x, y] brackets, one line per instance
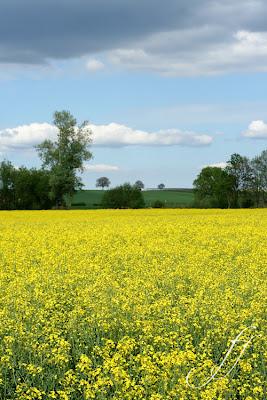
[91, 199]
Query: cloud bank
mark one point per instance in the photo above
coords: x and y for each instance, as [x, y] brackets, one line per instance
[120, 135]
[111, 135]
[183, 38]
[243, 51]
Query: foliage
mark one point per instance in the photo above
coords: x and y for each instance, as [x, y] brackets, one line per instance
[259, 172]
[7, 174]
[214, 187]
[124, 196]
[23, 188]
[64, 157]
[139, 184]
[32, 189]
[103, 182]
[123, 304]
[161, 186]
[158, 204]
[242, 183]
[240, 169]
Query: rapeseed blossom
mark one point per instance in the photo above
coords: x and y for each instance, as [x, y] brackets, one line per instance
[123, 304]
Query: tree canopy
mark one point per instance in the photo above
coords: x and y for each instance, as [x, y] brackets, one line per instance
[161, 186]
[102, 182]
[65, 156]
[123, 196]
[24, 188]
[139, 184]
[242, 183]
[214, 187]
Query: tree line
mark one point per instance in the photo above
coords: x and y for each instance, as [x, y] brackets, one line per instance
[58, 178]
[104, 182]
[242, 183]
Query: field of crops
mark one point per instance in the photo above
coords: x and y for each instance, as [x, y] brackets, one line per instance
[123, 304]
[91, 199]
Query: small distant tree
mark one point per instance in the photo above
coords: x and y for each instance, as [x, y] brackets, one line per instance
[139, 185]
[124, 196]
[103, 182]
[161, 186]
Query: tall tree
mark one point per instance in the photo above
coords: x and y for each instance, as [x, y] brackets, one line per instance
[240, 169]
[259, 168]
[65, 157]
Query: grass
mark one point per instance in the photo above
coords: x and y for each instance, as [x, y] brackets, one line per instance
[91, 199]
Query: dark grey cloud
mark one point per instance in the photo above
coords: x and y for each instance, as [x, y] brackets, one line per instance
[36, 30]
[182, 37]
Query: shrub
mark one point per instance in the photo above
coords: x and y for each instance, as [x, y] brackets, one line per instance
[124, 196]
[158, 204]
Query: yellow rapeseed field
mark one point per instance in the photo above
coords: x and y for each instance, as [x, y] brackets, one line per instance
[123, 304]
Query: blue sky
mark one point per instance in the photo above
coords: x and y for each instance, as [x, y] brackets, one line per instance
[185, 92]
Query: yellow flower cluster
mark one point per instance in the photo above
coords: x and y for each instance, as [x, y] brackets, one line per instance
[123, 304]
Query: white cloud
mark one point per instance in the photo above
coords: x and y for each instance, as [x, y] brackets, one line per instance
[218, 165]
[120, 135]
[101, 167]
[25, 136]
[111, 135]
[94, 65]
[256, 130]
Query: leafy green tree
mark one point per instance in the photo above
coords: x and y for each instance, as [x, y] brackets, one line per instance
[161, 186]
[23, 188]
[103, 182]
[240, 169]
[124, 196]
[65, 157]
[139, 185]
[32, 189]
[7, 192]
[259, 168]
[214, 187]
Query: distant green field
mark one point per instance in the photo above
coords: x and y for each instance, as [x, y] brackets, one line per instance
[91, 199]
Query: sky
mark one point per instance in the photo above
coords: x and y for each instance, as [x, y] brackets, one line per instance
[168, 87]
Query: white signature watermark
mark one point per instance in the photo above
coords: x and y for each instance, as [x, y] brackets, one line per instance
[215, 370]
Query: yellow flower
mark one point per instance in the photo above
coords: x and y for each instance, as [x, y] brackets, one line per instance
[123, 304]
